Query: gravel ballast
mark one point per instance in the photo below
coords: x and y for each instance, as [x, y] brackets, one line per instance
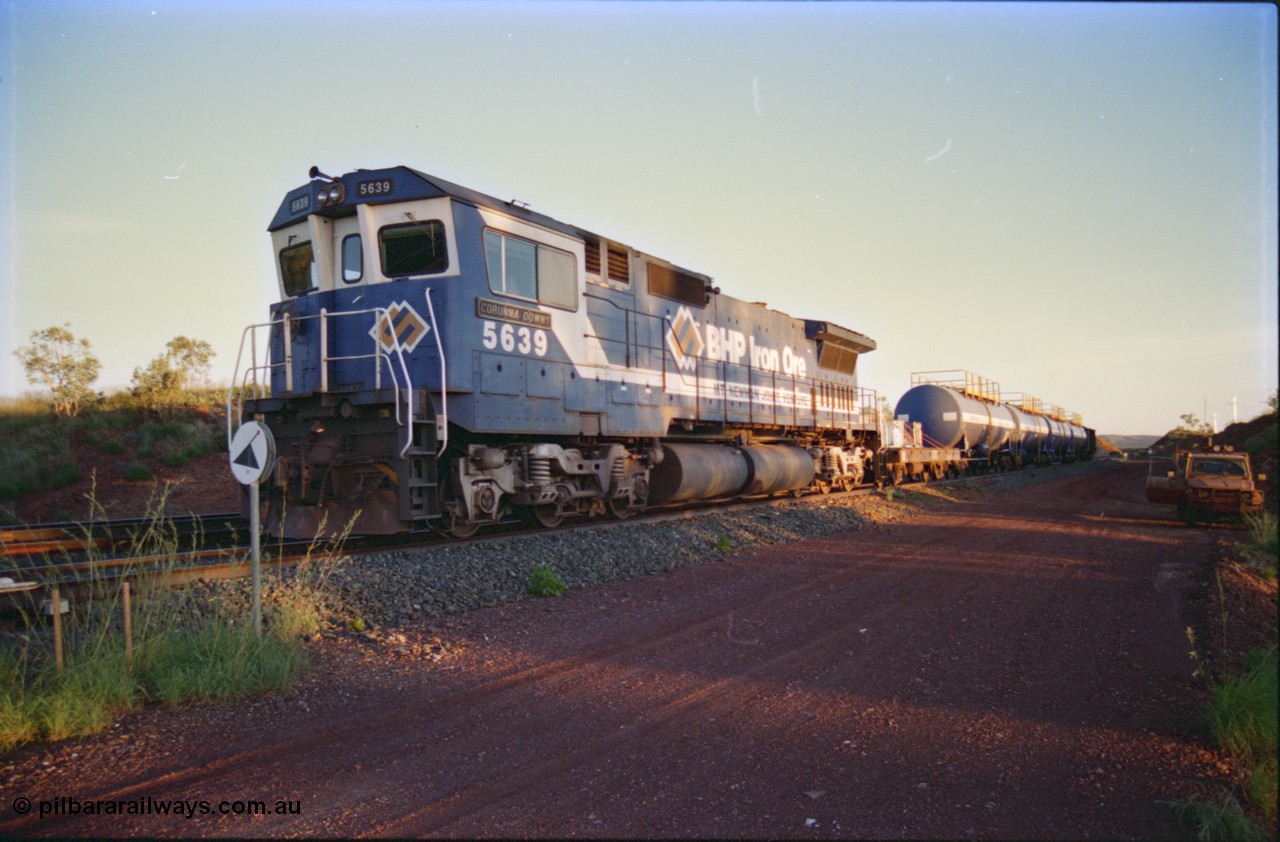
[385, 588]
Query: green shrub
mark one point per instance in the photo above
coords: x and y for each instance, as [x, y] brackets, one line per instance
[112, 447]
[724, 544]
[137, 472]
[176, 442]
[543, 581]
[35, 454]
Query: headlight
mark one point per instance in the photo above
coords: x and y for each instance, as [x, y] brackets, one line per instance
[331, 195]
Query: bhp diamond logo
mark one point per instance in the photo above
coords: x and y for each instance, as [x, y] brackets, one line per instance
[683, 339]
[403, 328]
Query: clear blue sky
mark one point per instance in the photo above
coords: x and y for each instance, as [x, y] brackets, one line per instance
[1077, 200]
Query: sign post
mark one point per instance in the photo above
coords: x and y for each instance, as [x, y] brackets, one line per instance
[253, 455]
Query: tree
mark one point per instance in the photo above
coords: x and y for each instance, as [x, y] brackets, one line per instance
[163, 384]
[62, 364]
[1192, 424]
[191, 359]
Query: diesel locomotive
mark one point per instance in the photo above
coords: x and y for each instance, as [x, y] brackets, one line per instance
[440, 357]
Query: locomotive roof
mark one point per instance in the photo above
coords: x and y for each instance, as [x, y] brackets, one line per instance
[408, 184]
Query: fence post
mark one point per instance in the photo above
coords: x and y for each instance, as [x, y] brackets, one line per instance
[128, 624]
[57, 628]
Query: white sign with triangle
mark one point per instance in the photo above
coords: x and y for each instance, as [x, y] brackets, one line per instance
[253, 453]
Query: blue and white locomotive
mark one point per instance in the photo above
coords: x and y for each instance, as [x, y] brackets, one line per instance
[442, 357]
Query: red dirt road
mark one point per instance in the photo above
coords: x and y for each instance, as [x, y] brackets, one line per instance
[1013, 666]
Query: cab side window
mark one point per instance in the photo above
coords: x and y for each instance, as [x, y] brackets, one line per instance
[521, 269]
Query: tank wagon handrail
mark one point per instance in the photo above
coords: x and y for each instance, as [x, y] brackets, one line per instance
[1025, 402]
[962, 380]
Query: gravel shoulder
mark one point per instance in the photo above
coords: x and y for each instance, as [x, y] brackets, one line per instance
[997, 660]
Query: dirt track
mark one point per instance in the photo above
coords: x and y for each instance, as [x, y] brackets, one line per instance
[1011, 666]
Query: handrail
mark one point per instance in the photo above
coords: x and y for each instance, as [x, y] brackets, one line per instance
[257, 375]
[443, 426]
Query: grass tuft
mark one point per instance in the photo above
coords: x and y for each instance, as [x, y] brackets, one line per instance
[216, 662]
[1264, 545]
[543, 581]
[1216, 818]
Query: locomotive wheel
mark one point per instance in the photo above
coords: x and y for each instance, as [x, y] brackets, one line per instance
[548, 515]
[451, 521]
[621, 508]
[822, 486]
[459, 528]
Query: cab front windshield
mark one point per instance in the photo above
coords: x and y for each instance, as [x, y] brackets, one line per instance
[1221, 467]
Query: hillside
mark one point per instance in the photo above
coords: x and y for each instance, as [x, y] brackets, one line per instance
[1259, 438]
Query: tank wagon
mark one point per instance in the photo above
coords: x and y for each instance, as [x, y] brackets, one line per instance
[438, 356]
[965, 416]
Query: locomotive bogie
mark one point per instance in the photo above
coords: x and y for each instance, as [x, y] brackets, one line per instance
[548, 481]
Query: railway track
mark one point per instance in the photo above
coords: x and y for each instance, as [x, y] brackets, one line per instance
[66, 539]
[80, 558]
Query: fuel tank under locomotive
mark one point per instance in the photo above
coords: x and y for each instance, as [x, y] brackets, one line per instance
[707, 471]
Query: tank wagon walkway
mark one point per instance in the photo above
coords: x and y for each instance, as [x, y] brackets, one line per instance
[1014, 666]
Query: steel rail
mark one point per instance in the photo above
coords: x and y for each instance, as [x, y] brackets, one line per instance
[232, 562]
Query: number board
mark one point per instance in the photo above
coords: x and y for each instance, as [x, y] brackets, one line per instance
[374, 188]
[503, 312]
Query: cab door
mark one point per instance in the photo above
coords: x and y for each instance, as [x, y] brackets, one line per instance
[350, 345]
